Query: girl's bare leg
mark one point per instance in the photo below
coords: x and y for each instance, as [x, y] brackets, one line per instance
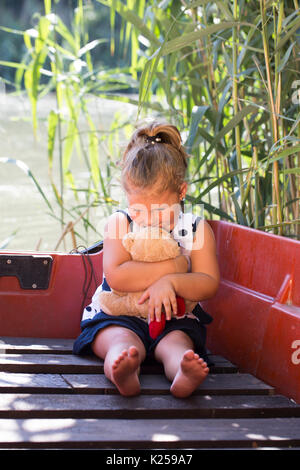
[123, 352]
[185, 369]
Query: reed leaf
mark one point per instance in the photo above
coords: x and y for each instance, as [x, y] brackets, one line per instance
[188, 39]
[52, 125]
[197, 115]
[131, 16]
[4, 243]
[226, 129]
[218, 181]
[20, 164]
[213, 210]
[15, 65]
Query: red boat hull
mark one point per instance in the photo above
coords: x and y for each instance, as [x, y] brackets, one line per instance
[256, 311]
[54, 312]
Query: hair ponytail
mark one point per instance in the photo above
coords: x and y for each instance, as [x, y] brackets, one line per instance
[155, 155]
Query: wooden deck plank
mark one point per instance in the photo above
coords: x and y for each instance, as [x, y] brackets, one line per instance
[158, 384]
[11, 382]
[144, 407]
[69, 363]
[13, 345]
[24, 345]
[159, 433]
[50, 363]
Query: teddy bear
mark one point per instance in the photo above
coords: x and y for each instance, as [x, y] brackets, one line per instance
[148, 244]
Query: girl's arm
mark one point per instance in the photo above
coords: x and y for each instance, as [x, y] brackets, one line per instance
[203, 281]
[124, 274]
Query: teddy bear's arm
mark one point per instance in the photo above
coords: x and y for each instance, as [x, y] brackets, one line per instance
[113, 304]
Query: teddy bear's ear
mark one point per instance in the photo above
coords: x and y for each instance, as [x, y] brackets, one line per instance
[128, 241]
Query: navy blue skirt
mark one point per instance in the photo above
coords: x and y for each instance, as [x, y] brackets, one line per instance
[194, 328]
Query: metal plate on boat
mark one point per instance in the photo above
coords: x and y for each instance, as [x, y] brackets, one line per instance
[32, 271]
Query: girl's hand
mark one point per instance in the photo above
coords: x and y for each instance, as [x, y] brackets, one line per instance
[160, 294]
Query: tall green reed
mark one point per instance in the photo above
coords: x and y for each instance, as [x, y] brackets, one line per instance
[224, 72]
[59, 61]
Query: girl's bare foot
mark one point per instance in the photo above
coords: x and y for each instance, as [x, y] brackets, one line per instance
[192, 371]
[124, 372]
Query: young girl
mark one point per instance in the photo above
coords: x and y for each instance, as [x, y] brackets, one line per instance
[153, 178]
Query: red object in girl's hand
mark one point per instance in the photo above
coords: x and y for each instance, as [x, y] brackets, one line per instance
[157, 327]
[180, 306]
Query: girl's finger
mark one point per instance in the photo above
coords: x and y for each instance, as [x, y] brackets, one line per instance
[144, 297]
[168, 310]
[158, 312]
[151, 312]
[174, 306]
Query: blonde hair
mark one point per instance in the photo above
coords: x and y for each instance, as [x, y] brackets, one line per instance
[155, 157]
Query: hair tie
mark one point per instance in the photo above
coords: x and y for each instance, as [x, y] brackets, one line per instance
[153, 139]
